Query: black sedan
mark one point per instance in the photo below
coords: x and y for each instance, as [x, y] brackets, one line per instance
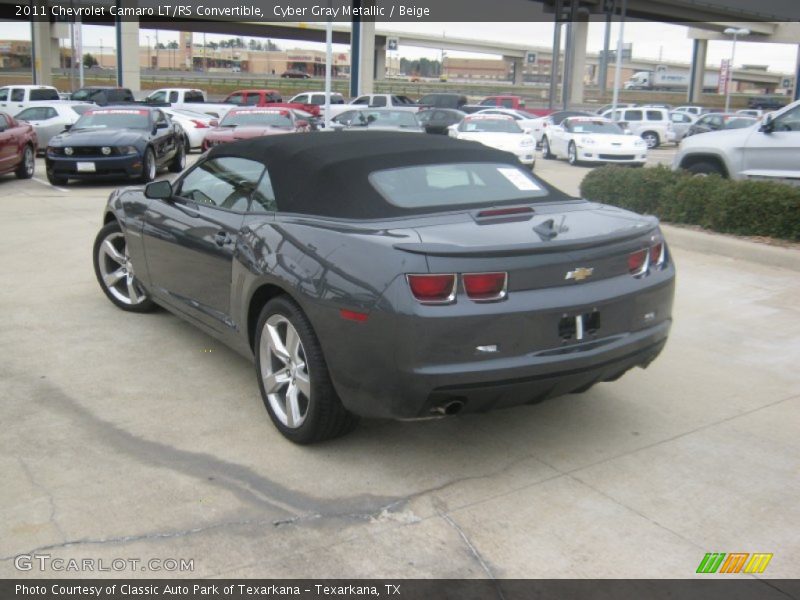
[116, 142]
[383, 274]
[437, 120]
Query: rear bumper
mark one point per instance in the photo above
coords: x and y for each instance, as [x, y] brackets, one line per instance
[409, 365]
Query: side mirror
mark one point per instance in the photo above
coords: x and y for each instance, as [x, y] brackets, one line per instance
[768, 124]
[213, 123]
[68, 126]
[162, 125]
[158, 190]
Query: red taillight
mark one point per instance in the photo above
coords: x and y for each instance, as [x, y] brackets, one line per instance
[485, 287]
[637, 262]
[433, 289]
[198, 124]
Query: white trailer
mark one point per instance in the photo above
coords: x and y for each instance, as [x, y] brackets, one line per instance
[665, 79]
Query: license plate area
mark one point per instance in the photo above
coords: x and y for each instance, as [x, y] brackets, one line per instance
[579, 327]
[85, 167]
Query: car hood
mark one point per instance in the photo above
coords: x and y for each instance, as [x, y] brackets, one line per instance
[99, 137]
[244, 132]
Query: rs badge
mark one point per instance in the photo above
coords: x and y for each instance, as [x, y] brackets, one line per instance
[580, 273]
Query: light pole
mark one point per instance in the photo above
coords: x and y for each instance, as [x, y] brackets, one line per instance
[735, 32]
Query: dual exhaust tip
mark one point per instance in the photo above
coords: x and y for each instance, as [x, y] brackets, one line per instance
[451, 407]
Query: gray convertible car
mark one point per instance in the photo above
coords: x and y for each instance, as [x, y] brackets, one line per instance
[381, 274]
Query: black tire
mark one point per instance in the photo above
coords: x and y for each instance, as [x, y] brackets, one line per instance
[572, 154]
[325, 417]
[652, 139]
[113, 292]
[55, 179]
[178, 163]
[187, 146]
[149, 168]
[705, 168]
[546, 154]
[28, 164]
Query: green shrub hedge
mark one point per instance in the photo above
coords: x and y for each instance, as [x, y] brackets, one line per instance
[760, 208]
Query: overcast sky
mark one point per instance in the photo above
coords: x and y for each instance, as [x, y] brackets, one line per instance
[650, 40]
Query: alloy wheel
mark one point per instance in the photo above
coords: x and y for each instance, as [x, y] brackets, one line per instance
[116, 270]
[29, 161]
[284, 371]
[151, 168]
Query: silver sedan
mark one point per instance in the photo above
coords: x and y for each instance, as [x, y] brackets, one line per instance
[49, 119]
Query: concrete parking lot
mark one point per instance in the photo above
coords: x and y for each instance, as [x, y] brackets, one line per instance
[139, 437]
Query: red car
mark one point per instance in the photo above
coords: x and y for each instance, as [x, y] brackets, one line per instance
[249, 122]
[17, 147]
[269, 98]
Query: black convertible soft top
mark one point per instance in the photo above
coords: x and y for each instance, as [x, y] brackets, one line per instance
[327, 173]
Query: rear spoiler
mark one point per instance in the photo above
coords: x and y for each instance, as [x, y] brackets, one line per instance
[537, 247]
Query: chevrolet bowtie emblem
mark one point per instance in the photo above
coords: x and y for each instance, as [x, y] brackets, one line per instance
[580, 273]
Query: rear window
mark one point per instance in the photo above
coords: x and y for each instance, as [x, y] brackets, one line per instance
[456, 184]
[193, 96]
[45, 94]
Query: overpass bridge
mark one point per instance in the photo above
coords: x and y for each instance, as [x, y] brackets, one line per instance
[709, 19]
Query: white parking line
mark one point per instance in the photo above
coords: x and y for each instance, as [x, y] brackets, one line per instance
[37, 180]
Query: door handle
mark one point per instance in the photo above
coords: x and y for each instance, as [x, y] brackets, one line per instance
[222, 238]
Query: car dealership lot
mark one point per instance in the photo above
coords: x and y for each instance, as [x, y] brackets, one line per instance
[137, 436]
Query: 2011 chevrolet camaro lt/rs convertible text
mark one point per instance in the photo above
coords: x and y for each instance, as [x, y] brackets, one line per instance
[382, 274]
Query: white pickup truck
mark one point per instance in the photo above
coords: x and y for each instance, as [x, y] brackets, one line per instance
[188, 99]
[16, 98]
[377, 101]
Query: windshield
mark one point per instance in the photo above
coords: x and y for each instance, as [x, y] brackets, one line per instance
[739, 123]
[84, 94]
[443, 185]
[380, 118]
[489, 125]
[118, 118]
[257, 118]
[593, 127]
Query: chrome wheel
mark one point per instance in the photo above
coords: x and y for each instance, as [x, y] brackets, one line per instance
[651, 139]
[28, 161]
[151, 168]
[284, 371]
[116, 270]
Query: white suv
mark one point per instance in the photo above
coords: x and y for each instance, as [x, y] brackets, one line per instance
[769, 150]
[652, 124]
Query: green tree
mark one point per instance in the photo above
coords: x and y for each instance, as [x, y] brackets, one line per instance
[89, 61]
